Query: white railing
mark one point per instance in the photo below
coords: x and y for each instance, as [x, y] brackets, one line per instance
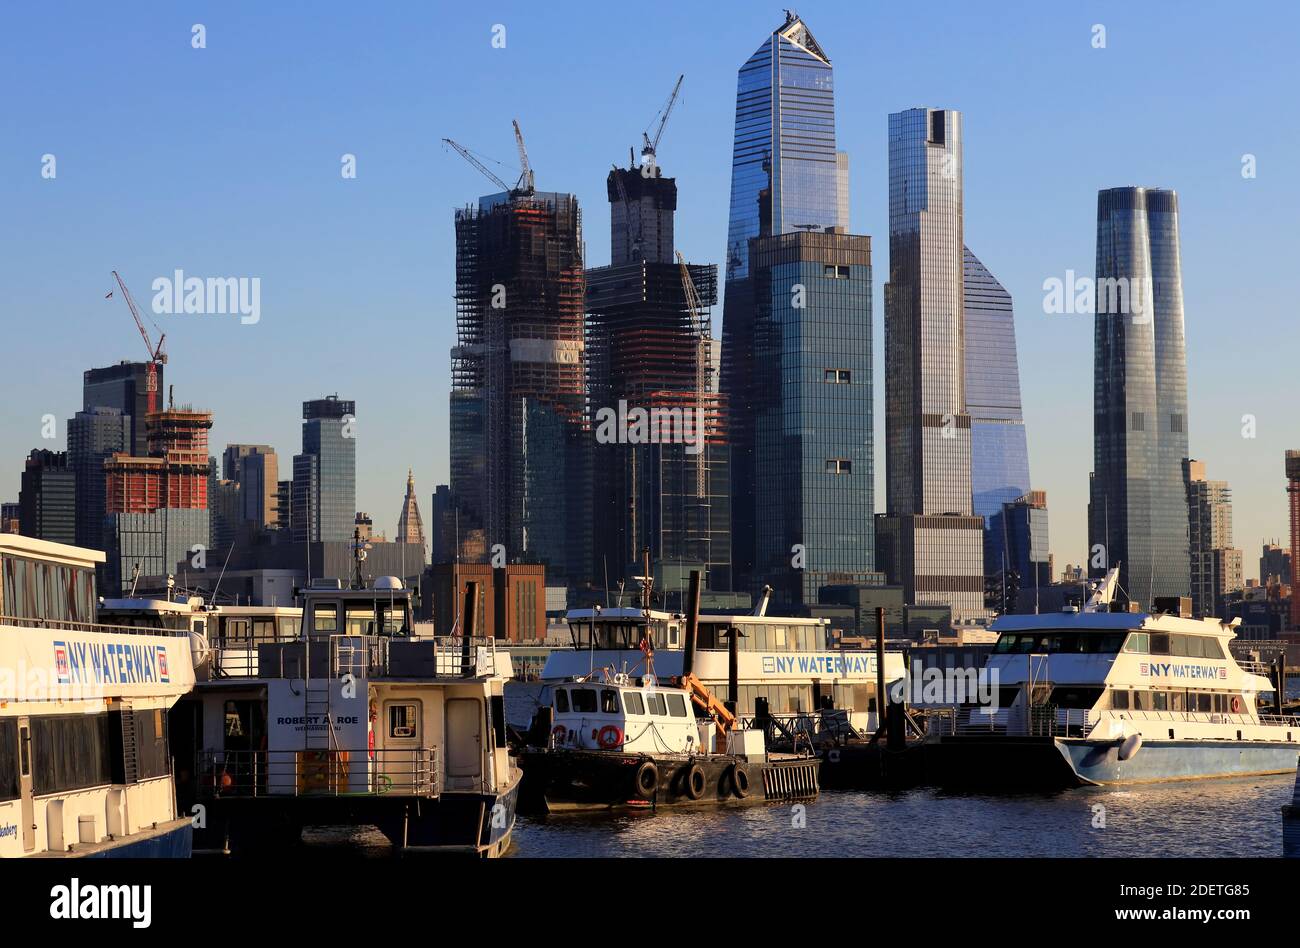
[392, 772]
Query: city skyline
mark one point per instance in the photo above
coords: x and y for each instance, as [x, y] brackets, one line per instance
[69, 284]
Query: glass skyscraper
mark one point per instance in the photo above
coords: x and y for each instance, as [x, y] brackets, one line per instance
[786, 176]
[1137, 514]
[813, 447]
[929, 541]
[325, 474]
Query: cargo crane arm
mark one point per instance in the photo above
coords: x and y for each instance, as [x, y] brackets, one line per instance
[483, 169]
[702, 696]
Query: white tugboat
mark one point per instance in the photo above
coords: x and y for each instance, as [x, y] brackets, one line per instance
[618, 739]
[85, 767]
[1103, 697]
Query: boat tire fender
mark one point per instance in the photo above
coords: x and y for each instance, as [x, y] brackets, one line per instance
[1132, 744]
[647, 780]
[694, 782]
[739, 781]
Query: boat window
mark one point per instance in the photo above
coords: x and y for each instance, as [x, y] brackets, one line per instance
[1075, 697]
[402, 720]
[656, 703]
[677, 706]
[288, 628]
[584, 700]
[1204, 701]
[1159, 643]
[672, 635]
[1119, 700]
[1195, 646]
[9, 759]
[561, 700]
[325, 618]
[1142, 701]
[633, 703]
[1161, 700]
[1212, 648]
[1137, 642]
[1177, 701]
[608, 701]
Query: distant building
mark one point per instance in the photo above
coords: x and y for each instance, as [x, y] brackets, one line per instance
[324, 500]
[442, 526]
[225, 501]
[1293, 496]
[11, 517]
[511, 605]
[125, 387]
[95, 435]
[47, 499]
[1023, 523]
[1275, 564]
[1216, 567]
[410, 526]
[256, 469]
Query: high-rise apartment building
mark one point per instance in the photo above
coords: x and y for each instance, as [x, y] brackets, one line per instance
[1137, 511]
[929, 541]
[1216, 566]
[47, 498]
[256, 469]
[1274, 565]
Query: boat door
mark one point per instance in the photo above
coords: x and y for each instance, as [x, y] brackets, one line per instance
[464, 743]
[25, 783]
[397, 764]
[1038, 688]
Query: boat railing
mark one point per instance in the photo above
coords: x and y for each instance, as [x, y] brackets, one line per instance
[806, 727]
[362, 656]
[404, 772]
[1037, 721]
[1255, 668]
[67, 625]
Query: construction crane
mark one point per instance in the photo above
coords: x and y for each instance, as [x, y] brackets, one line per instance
[157, 356]
[700, 327]
[483, 169]
[650, 145]
[526, 183]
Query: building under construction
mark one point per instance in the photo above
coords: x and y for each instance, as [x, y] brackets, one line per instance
[520, 458]
[660, 476]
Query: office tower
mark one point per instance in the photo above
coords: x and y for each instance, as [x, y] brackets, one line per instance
[1137, 512]
[929, 541]
[786, 176]
[1023, 525]
[410, 526]
[124, 386]
[325, 473]
[1293, 497]
[11, 520]
[442, 526]
[999, 450]
[284, 507]
[520, 469]
[1275, 565]
[662, 487]
[47, 499]
[812, 413]
[256, 469]
[225, 503]
[156, 506]
[1215, 564]
[94, 436]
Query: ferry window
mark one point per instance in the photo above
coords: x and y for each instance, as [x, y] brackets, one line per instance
[402, 720]
[1159, 643]
[325, 618]
[677, 706]
[361, 619]
[561, 700]
[1195, 646]
[1161, 700]
[608, 701]
[672, 635]
[1075, 697]
[70, 752]
[584, 700]
[263, 630]
[1137, 642]
[1142, 701]
[1177, 701]
[8, 759]
[633, 703]
[1203, 702]
[656, 703]
[1178, 646]
[1219, 701]
[1119, 700]
[1212, 648]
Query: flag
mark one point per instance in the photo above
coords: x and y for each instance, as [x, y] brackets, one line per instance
[109, 296]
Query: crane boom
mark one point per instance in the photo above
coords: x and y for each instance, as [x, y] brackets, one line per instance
[526, 172]
[483, 169]
[650, 145]
[157, 356]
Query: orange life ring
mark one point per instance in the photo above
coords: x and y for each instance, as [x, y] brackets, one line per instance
[610, 736]
[559, 732]
[1236, 704]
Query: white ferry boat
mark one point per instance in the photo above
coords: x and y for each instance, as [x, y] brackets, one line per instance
[1104, 697]
[85, 766]
[340, 713]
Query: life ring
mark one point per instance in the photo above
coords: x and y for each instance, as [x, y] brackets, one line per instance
[1236, 704]
[647, 780]
[610, 736]
[559, 733]
[739, 781]
[694, 782]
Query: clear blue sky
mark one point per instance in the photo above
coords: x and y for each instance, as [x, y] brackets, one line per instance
[226, 160]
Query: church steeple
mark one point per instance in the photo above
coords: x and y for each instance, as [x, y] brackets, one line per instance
[410, 526]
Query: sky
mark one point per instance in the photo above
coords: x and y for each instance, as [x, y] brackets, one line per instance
[227, 160]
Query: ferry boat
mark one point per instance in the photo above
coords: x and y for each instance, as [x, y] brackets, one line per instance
[85, 766]
[342, 713]
[1098, 696]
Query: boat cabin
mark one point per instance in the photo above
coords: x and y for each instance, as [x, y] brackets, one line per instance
[636, 716]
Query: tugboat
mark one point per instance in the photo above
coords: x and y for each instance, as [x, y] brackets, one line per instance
[85, 766]
[1100, 696]
[354, 720]
[612, 739]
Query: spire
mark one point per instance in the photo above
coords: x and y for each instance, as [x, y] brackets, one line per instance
[410, 526]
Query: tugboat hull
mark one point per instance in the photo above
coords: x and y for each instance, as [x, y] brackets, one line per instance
[560, 780]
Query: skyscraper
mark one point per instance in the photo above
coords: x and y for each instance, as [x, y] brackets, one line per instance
[1215, 564]
[929, 541]
[812, 413]
[786, 176]
[647, 351]
[410, 526]
[124, 386]
[256, 469]
[1293, 498]
[520, 465]
[47, 499]
[325, 473]
[1137, 512]
[94, 436]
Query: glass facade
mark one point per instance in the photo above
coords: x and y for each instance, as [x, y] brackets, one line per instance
[813, 445]
[786, 176]
[325, 487]
[94, 435]
[930, 542]
[1138, 512]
